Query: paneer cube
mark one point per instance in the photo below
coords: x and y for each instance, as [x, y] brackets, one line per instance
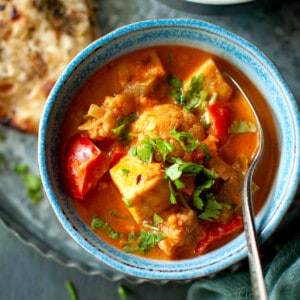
[144, 67]
[142, 185]
[214, 81]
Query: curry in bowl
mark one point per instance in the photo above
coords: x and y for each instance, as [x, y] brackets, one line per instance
[154, 151]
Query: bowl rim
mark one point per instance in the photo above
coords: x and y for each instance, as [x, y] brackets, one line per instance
[176, 270]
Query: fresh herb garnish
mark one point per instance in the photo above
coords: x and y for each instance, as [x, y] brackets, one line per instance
[177, 90]
[143, 242]
[178, 168]
[213, 209]
[194, 97]
[99, 223]
[32, 182]
[148, 148]
[122, 130]
[205, 149]
[21, 169]
[145, 151]
[125, 171]
[186, 140]
[126, 201]
[71, 290]
[200, 193]
[157, 219]
[122, 292]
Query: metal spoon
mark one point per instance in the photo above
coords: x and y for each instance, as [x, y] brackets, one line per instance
[257, 279]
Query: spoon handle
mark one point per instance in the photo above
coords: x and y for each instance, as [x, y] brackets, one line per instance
[256, 273]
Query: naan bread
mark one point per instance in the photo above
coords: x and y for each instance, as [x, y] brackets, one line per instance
[38, 38]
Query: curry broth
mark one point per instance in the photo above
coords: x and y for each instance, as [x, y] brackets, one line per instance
[105, 199]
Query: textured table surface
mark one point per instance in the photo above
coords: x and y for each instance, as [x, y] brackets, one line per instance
[24, 272]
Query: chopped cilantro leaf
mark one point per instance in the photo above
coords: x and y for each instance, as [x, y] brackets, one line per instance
[149, 147]
[205, 149]
[199, 191]
[163, 148]
[122, 292]
[157, 219]
[99, 223]
[21, 169]
[186, 140]
[179, 168]
[212, 210]
[126, 201]
[177, 91]
[143, 242]
[122, 122]
[32, 182]
[71, 290]
[144, 151]
[125, 171]
[194, 97]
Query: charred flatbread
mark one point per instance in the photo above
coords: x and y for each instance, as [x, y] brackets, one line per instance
[38, 38]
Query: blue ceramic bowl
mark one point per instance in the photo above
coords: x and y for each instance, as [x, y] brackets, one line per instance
[194, 33]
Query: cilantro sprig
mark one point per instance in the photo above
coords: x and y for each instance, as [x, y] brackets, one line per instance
[179, 168]
[185, 139]
[149, 148]
[99, 223]
[143, 242]
[193, 97]
[213, 209]
[121, 130]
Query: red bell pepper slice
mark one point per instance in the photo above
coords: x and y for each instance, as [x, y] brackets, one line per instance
[116, 154]
[217, 232]
[85, 164]
[222, 117]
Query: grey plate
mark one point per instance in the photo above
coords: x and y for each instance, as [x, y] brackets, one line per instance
[36, 224]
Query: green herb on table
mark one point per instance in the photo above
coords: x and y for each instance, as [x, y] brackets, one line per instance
[32, 182]
[122, 292]
[2, 137]
[1, 158]
[71, 290]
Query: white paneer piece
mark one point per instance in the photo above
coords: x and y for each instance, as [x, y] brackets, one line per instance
[144, 67]
[214, 81]
[142, 186]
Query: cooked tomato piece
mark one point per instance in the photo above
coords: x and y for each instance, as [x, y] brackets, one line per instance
[222, 117]
[116, 154]
[217, 232]
[85, 166]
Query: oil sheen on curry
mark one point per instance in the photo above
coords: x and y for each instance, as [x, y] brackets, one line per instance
[154, 152]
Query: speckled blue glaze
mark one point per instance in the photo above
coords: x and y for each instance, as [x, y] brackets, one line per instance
[194, 33]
